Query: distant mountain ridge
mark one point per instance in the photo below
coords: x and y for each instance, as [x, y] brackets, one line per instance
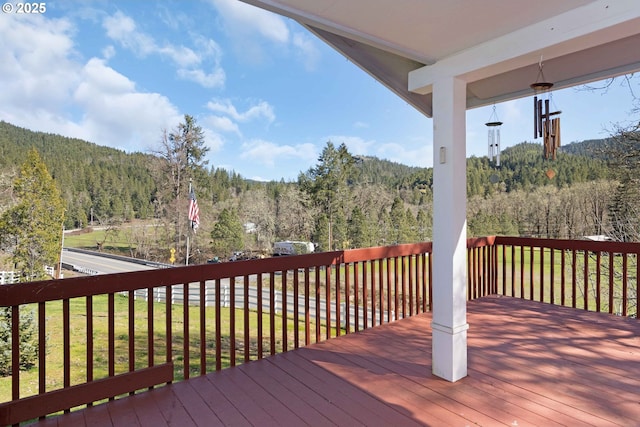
[106, 180]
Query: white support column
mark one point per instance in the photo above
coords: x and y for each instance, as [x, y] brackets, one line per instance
[449, 342]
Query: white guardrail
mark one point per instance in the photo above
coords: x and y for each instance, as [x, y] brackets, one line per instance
[8, 277]
[159, 294]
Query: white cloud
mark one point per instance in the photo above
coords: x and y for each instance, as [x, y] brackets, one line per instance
[223, 124]
[243, 19]
[307, 50]
[355, 144]
[260, 110]
[421, 155]
[253, 31]
[115, 112]
[268, 153]
[123, 30]
[29, 45]
[45, 83]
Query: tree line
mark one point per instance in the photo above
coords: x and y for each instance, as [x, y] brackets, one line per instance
[343, 201]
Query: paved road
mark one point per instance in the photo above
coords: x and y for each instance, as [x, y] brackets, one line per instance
[97, 264]
[89, 263]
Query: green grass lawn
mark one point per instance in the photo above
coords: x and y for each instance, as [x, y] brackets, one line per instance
[78, 345]
[537, 284]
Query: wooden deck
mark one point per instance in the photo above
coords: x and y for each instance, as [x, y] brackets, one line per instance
[529, 364]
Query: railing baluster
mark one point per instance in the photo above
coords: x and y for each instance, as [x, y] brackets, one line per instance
[150, 327]
[131, 331]
[327, 301]
[573, 279]
[285, 338]
[338, 302]
[390, 308]
[218, 322]
[611, 282]
[307, 307]
[586, 280]
[66, 346]
[541, 274]
[430, 283]
[552, 279]
[637, 257]
[203, 328]
[169, 322]
[317, 304]
[356, 295]
[470, 287]
[185, 331]
[42, 348]
[522, 294]
[403, 284]
[562, 277]
[379, 266]
[272, 313]
[365, 297]
[15, 352]
[259, 311]
[232, 320]
[624, 284]
[247, 335]
[347, 298]
[598, 272]
[372, 293]
[396, 302]
[296, 308]
[504, 268]
[410, 284]
[531, 269]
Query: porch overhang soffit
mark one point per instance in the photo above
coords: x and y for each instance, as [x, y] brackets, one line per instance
[578, 41]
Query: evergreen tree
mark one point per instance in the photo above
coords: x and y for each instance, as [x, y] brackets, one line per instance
[181, 160]
[28, 340]
[227, 233]
[32, 229]
[327, 185]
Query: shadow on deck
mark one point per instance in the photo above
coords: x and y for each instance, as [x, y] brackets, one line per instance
[530, 363]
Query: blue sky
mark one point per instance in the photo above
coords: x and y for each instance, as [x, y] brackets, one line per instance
[268, 94]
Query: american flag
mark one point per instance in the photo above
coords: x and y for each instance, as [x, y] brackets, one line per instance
[194, 211]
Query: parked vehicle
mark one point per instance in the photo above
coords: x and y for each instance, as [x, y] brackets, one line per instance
[289, 247]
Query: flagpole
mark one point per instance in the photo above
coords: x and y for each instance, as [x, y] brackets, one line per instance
[188, 233]
[193, 215]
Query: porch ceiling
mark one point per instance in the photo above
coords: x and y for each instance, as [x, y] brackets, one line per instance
[495, 45]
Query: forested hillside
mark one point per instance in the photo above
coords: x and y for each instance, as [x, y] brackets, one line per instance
[381, 202]
[97, 183]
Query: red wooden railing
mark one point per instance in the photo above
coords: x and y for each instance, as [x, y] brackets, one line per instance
[595, 276]
[166, 325]
[163, 325]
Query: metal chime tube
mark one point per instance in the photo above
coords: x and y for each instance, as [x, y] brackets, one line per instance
[498, 147]
[535, 117]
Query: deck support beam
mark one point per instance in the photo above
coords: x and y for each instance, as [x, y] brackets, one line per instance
[449, 325]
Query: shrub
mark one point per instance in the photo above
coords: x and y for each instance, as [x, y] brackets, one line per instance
[28, 340]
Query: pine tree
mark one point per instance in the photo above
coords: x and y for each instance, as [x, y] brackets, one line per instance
[227, 233]
[327, 185]
[31, 230]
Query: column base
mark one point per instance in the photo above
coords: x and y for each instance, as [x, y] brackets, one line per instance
[449, 351]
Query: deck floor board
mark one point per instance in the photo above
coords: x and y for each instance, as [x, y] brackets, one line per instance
[530, 364]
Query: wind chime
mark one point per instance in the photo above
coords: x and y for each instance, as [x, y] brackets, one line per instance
[545, 124]
[493, 134]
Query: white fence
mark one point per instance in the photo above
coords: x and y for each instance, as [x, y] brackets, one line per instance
[8, 277]
[159, 294]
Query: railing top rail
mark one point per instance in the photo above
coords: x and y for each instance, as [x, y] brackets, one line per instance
[579, 245]
[51, 290]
